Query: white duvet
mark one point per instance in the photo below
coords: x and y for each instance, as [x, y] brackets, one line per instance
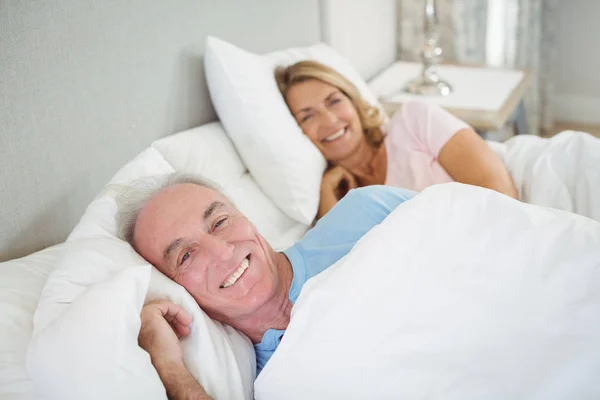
[562, 172]
[461, 293]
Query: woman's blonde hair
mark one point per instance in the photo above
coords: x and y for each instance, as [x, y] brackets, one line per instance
[370, 116]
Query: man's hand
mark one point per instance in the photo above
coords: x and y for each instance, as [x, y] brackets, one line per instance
[163, 324]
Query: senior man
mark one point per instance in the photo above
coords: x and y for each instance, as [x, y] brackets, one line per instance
[194, 235]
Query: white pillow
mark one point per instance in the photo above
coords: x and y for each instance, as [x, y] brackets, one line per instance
[87, 321]
[21, 283]
[285, 164]
[90, 351]
[208, 151]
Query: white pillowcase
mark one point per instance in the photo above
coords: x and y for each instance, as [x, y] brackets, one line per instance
[21, 284]
[285, 164]
[90, 350]
[86, 325]
[87, 322]
[207, 150]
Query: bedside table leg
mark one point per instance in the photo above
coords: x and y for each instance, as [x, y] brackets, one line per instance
[521, 126]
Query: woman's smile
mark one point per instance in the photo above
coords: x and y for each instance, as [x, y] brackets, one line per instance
[336, 135]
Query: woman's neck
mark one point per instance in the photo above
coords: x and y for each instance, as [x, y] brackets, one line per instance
[359, 161]
[367, 165]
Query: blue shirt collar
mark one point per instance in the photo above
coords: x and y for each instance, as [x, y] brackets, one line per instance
[272, 337]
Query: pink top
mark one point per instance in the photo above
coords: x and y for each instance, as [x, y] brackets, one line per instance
[417, 134]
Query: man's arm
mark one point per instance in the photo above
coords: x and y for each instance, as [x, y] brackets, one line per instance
[356, 213]
[179, 383]
[350, 219]
[163, 323]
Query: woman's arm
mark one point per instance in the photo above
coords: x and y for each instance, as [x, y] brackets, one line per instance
[336, 182]
[326, 202]
[468, 159]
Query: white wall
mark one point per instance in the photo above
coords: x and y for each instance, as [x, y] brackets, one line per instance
[363, 31]
[578, 64]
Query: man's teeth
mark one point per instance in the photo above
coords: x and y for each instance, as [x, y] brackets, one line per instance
[236, 274]
[335, 135]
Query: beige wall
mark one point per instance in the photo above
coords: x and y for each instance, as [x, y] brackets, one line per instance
[85, 85]
[578, 64]
[363, 31]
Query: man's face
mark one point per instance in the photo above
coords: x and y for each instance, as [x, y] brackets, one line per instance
[196, 237]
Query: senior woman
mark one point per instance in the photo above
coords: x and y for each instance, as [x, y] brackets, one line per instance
[424, 144]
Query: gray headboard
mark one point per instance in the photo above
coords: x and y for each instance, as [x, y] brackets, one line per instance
[85, 85]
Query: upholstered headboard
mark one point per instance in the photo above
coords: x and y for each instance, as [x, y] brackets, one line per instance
[85, 85]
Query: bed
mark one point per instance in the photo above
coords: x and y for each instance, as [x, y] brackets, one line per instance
[85, 87]
[148, 61]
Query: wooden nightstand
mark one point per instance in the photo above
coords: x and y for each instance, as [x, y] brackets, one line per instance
[486, 98]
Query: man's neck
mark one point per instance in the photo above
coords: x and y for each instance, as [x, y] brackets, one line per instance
[275, 313]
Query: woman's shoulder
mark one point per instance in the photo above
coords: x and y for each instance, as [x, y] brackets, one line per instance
[426, 124]
[404, 123]
[414, 110]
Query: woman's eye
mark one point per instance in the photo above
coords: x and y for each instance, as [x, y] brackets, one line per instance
[185, 257]
[219, 222]
[305, 118]
[335, 100]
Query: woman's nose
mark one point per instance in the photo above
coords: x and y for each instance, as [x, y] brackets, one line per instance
[329, 118]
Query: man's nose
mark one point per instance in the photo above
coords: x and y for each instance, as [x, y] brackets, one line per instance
[218, 248]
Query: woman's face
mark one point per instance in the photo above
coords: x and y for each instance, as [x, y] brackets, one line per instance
[327, 117]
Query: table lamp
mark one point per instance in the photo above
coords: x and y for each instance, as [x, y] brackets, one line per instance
[429, 83]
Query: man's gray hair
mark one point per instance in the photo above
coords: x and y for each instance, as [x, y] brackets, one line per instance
[132, 198]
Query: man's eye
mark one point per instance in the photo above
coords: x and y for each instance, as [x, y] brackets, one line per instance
[219, 222]
[185, 257]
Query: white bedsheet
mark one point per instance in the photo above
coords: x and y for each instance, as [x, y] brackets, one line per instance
[562, 172]
[461, 293]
